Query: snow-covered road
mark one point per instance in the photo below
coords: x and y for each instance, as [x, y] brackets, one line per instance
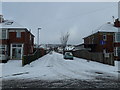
[54, 67]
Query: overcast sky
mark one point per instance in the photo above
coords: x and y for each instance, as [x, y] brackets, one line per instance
[77, 18]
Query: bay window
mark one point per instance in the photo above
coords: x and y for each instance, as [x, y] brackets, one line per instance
[3, 34]
[3, 49]
[116, 51]
[117, 37]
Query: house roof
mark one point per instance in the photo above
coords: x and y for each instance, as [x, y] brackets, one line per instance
[10, 24]
[107, 27]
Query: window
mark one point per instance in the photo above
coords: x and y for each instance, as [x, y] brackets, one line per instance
[18, 35]
[104, 37]
[2, 49]
[30, 37]
[104, 51]
[117, 37]
[116, 51]
[0, 34]
[3, 34]
[17, 45]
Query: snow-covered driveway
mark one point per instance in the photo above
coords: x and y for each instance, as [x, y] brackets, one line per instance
[54, 67]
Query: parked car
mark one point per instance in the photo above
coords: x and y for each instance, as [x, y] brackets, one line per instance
[68, 55]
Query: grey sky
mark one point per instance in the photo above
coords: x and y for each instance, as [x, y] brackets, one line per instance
[79, 18]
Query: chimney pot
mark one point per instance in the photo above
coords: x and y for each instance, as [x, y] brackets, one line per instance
[1, 19]
[117, 23]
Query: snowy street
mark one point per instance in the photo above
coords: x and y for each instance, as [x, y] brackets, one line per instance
[53, 71]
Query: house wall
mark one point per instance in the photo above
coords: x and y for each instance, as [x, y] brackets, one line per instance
[24, 39]
[109, 45]
[5, 41]
[97, 38]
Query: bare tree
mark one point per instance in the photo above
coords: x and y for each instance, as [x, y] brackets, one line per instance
[64, 39]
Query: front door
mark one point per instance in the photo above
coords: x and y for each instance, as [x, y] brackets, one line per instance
[16, 51]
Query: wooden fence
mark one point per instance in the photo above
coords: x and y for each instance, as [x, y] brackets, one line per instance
[107, 58]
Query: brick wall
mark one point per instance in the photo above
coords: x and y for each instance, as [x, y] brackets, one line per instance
[97, 38]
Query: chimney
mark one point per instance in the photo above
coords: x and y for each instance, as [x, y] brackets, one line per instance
[117, 23]
[1, 19]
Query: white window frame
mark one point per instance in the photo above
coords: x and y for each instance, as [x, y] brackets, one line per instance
[18, 34]
[5, 46]
[6, 34]
[104, 37]
[115, 51]
[116, 36]
[0, 33]
[104, 51]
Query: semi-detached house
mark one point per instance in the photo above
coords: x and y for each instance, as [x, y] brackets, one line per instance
[105, 39]
[15, 40]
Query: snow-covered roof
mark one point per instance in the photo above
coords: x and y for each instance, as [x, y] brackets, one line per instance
[107, 27]
[69, 48]
[11, 24]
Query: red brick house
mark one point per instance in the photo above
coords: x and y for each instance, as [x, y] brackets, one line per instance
[15, 40]
[106, 39]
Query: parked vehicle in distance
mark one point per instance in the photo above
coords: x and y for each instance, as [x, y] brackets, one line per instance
[68, 55]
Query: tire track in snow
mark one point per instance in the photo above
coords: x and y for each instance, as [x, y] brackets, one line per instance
[61, 65]
[53, 69]
[66, 65]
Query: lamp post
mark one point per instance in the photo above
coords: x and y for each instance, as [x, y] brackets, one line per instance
[38, 36]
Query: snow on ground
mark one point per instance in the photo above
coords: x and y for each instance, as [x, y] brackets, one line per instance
[54, 67]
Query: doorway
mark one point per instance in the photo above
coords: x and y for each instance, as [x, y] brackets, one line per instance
[16, 51]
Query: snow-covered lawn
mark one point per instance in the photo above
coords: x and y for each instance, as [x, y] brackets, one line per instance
[54, 67]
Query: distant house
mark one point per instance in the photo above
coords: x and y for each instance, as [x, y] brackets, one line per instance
[15, 40]
[69, 48]
[106, 39]
[81, 47]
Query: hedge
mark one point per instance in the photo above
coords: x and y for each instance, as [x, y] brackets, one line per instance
[27, 59]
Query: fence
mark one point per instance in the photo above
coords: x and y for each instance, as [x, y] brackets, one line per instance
[27, 59]
[99, 57]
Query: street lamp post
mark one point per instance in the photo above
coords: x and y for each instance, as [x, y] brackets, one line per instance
[38, 35]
